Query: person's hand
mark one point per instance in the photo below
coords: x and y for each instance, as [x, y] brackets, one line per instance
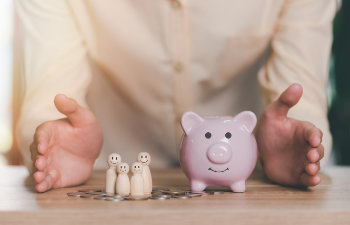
[64, 151]
[290, 150]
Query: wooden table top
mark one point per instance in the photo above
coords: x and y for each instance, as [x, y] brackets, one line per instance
[262, 203]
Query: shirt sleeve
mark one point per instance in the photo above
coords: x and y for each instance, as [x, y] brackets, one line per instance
[300, 50]
[52, 59]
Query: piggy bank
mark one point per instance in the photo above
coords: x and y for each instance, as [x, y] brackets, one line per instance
[218, 151]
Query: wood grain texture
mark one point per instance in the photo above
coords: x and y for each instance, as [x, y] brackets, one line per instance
[262, 203]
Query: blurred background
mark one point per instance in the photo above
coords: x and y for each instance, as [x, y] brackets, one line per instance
[6, 31]
[339, 82]
[338, 88]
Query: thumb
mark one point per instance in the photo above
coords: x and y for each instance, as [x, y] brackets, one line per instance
[286, 100]
[76, 114]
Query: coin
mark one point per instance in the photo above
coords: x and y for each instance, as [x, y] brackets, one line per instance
[174, 192]
[160, 196]
[215, 192]
[155, 189]
[74, 194]
[118, 197]
[96, 190]
[182, 196]
[100, 197]
[157, 192]
[141, 197]
[86, 196]
[113, 199]
[97, 193]
[194, 194]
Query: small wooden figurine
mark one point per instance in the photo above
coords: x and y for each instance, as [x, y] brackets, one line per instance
[112, 160]
[123, 183]
[145, 159]
[136, 180]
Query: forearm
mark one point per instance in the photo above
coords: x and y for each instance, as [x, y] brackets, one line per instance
[300, 52]
[52, 59]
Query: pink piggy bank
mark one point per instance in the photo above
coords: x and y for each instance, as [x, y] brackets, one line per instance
[218, 151]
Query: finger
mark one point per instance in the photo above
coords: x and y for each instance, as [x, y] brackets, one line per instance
[40, 163]
[42, 137]
[287, 99]
[312, 168]
[320, 151]
[76, 114]
[39, 176]
[308, 181]
[47, 183]
[42, 186]
[313, 155]
[318, 164]
[312, 135]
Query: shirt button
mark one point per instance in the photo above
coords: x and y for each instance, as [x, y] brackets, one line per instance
[175, 4]
[178, 67]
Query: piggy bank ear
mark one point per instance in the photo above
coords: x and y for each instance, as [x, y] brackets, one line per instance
[188, 120]
[246, 120]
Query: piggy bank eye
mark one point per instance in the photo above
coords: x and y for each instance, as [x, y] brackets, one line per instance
[228, 135]
[208, 135]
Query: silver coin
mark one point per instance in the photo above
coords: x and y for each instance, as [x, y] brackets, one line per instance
[113, 199]
[74, 194]
[161, 198]
[182, 196]
[86, 196]
[96, 193]
[215, 192]
[119, 197]
[96, 190]
[174, 192]
[194, 194]
[102, 194]
[100, 197]
[155, 189]
[156, 196]
[157, 192]
[141, 197]
[217, 189]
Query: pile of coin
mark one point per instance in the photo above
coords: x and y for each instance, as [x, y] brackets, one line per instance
[158, 193]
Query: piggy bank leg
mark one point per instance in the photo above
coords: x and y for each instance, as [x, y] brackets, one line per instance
[238, 186]
[197, 186]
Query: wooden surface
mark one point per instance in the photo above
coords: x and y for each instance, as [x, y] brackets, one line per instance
[262, 203]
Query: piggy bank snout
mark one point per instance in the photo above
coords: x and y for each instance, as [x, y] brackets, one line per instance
[219, 153]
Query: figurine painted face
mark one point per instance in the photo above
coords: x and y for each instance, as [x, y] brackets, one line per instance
[144, 158]
[123, 168]
[136, 168]
[113, 159]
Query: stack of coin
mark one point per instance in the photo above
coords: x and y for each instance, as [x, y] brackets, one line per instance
[158, 193]
[96, 194]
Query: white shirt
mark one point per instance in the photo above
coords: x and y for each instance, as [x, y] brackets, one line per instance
[139, 65]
